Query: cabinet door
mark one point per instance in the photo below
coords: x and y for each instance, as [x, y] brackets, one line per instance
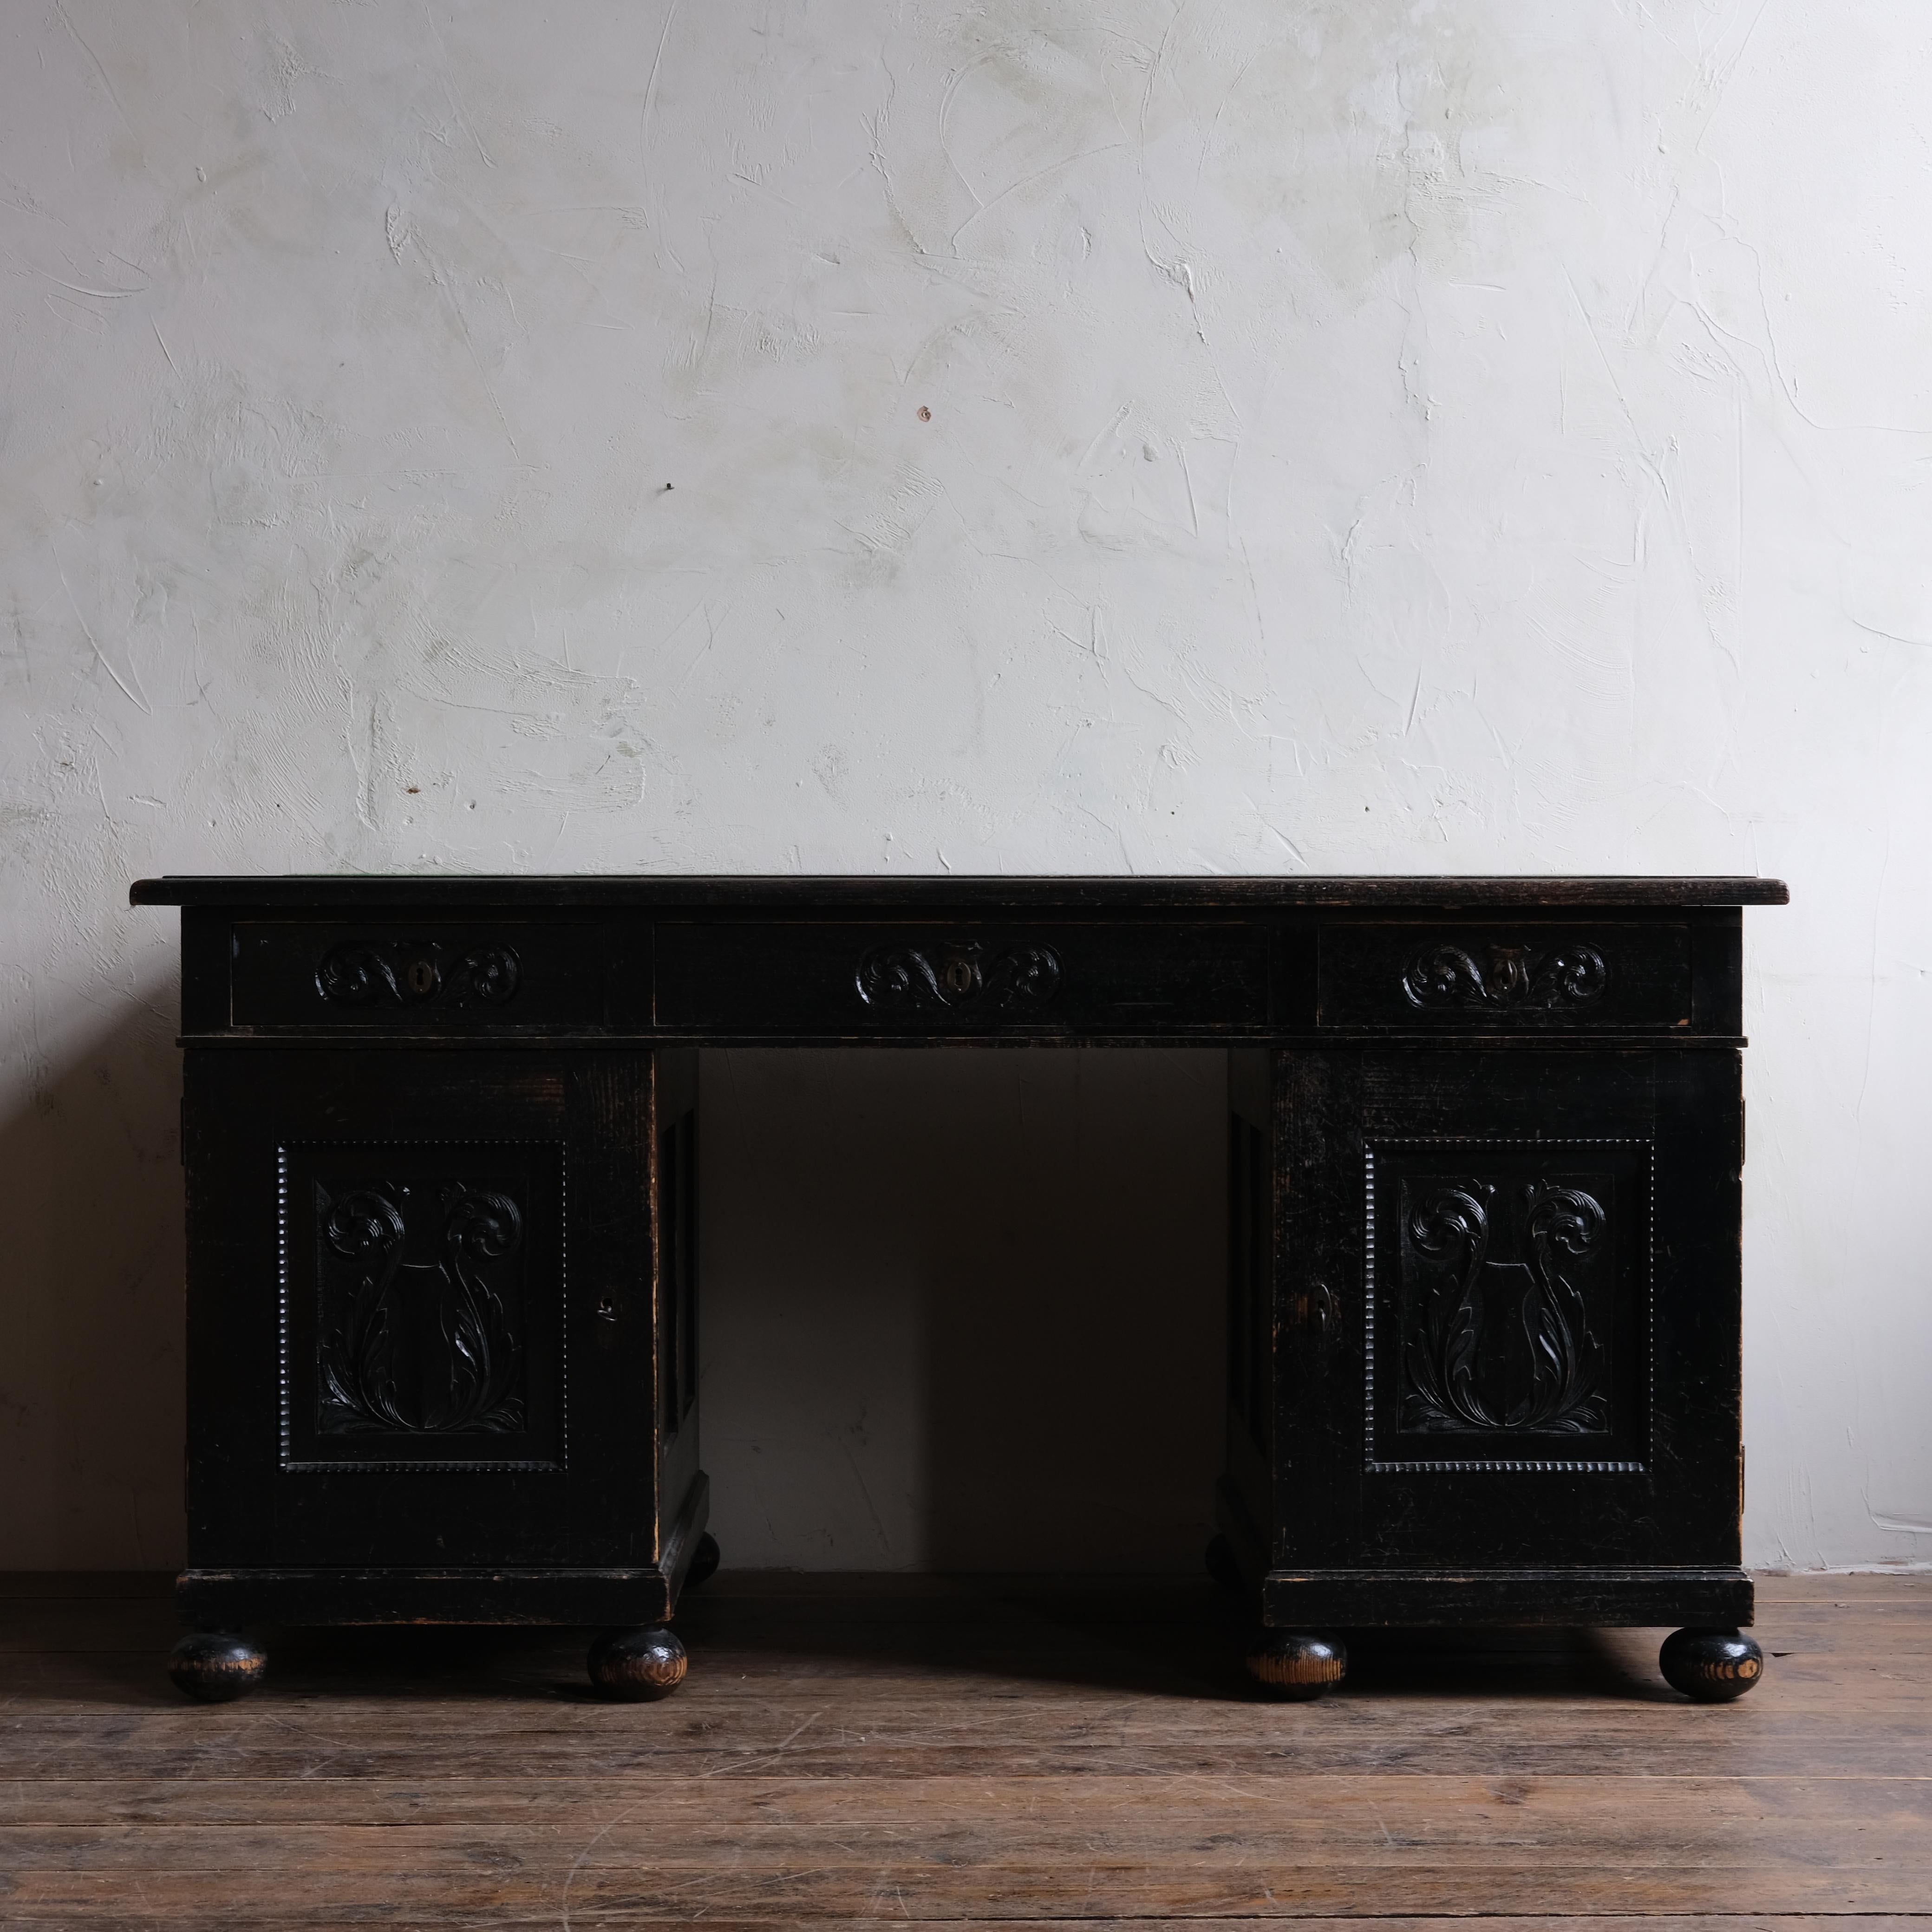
[420, 1308]
[1509, 1309]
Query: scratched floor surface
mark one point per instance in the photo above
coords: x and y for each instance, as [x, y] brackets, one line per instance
[854, 1751]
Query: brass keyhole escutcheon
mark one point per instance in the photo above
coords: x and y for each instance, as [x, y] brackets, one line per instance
[421, 977]
[959, 975]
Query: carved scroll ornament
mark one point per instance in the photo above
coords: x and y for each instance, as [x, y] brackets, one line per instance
[1508, 977]
[410, 974]
[917, 979]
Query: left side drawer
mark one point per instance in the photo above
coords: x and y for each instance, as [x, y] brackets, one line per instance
[423, 976]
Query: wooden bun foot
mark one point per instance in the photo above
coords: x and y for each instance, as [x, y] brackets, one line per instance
[1711, 1666]
[1223, 1564]
[637, 1664]
[703, 1562]
[212, 1666]
[1293, 1664]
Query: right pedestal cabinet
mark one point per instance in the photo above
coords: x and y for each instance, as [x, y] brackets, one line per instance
[1484, 1363]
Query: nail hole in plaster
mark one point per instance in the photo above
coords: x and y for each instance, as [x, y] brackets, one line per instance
[925, 414]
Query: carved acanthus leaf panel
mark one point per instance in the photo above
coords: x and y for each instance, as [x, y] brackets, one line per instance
[1501, 1345]
[417, 1334]
[423, 1297]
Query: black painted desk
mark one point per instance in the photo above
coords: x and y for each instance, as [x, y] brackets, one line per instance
[1484, 1138]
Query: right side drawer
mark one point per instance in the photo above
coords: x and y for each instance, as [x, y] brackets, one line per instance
[1484, 976]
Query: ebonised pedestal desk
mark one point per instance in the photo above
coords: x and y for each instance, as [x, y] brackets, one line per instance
[1484, 1139]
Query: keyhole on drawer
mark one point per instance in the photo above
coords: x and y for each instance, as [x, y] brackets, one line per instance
[421, 977]
[959, 975]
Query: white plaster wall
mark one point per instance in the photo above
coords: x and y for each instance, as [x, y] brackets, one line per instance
[1363, 435]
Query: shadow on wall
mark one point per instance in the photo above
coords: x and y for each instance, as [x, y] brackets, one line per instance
[963, 1309]
[90, 1313]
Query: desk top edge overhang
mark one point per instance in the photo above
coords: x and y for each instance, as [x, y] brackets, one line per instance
[1117, 893]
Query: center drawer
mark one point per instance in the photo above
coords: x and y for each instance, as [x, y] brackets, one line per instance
[840, 980]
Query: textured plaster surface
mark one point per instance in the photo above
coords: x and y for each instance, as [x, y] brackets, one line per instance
[1250, 435]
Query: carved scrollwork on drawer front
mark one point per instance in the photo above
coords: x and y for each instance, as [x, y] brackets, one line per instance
[409, 974]
[918, 978]
[1506, 978]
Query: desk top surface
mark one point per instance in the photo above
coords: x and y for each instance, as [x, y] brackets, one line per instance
[794, 894]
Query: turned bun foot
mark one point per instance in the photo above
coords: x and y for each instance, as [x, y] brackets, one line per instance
[1711, 1666]
[703, 1562]
[1292, 1664]
[1221, 1564]
[212, 1666]
[635, 1665]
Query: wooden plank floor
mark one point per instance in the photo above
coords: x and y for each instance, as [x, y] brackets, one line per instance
[854, 1752]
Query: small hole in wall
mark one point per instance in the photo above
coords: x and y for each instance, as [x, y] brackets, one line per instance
[413, 791]
[925, 414]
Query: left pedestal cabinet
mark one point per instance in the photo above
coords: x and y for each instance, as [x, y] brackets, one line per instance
[454, 1261]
